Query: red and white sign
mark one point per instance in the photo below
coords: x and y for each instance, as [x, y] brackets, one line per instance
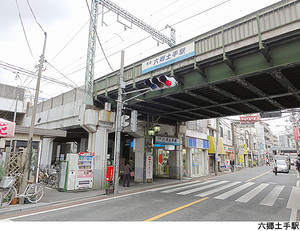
[249, 119]
[7, 128]
[296, 133]
[149, 167]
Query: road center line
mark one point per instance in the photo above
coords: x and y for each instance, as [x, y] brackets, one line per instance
[175, 210]
[259, 176]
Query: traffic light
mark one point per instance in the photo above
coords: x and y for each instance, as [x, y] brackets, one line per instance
[125, 120]
[161, 82]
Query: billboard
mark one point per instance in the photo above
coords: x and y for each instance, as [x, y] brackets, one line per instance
[7, 129]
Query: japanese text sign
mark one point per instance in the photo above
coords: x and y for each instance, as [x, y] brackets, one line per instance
[7, 128]
[167, 140]
[249, 119]
[169, 57]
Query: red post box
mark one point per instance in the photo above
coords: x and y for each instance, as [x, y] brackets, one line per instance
[109, 173]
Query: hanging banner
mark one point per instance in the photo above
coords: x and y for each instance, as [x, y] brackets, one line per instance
[149, 167]
[7, 129]
[296, 133]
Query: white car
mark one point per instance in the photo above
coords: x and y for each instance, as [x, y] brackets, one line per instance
[282, 166]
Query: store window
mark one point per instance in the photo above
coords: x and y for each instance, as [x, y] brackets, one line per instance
[163, 163]
[221, 132]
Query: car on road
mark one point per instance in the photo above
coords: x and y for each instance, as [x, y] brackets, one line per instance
[282, 166]
[285, 158]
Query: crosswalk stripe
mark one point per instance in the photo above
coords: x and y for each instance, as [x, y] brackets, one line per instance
[189, 186]
[171, 186]
[234, 191]
[270, 199]
[201, 188]
[204, 194]
[248, 196]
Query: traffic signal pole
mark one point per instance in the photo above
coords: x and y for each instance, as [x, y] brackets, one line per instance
[118, 126]
[217, 146]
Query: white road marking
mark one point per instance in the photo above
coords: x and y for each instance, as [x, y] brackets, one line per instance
[294, 202]
[234, 191]
[201, 188]
[204, 194]
[270, 199]
[189, 186]
[248, 196]
[171, 186]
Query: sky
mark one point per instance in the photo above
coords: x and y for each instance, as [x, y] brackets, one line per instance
[23, 23]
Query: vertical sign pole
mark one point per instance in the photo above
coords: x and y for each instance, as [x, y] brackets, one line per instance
[118, 127]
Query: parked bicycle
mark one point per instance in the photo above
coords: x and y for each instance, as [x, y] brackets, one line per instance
[33, 191]
[43, 176]
[53, 178]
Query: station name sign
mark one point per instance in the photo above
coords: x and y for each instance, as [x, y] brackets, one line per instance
[167, 140]
[169, 57]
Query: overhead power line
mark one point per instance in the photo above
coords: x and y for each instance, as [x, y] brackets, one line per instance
[24, 31]
[31, 74]
[34, 16]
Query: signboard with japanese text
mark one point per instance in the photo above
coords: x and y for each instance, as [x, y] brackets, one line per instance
[249, 119]
[149, 167]
[169, 57]
[296, 133]
[198, 143]
[7, 129]
[167, 140]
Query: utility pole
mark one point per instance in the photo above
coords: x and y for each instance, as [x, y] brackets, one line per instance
[26, 167]
[118, 127]
[15, 116]
[296, 132]
[217, 146]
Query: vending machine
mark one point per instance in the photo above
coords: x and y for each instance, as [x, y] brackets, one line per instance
[80, 170]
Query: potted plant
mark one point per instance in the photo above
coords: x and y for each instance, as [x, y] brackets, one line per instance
[109, 188]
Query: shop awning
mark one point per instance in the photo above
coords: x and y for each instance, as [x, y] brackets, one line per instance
[212, 146]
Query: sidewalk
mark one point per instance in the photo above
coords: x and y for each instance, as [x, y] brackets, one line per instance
[52, 196]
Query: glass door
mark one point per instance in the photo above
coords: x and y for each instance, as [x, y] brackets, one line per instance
[163, 163]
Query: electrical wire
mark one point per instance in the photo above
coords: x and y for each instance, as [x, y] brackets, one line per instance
[31, 74]
[188, 18]
[34, 16]
[61, 73]
[24, 32]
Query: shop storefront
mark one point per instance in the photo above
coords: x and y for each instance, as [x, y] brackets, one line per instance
[212, 152]
[196, 157]
[163, 153]
[229, 155]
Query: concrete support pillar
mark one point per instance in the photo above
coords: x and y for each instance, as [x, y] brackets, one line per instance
[97, 143]
[189, 162]
[175, 163]
[46, 152]
[139, 149]
[83, 145]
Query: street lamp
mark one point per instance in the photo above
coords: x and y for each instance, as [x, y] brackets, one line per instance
[156, 128]
[151, 132]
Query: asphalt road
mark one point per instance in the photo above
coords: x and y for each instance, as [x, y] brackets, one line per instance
[252, 195]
